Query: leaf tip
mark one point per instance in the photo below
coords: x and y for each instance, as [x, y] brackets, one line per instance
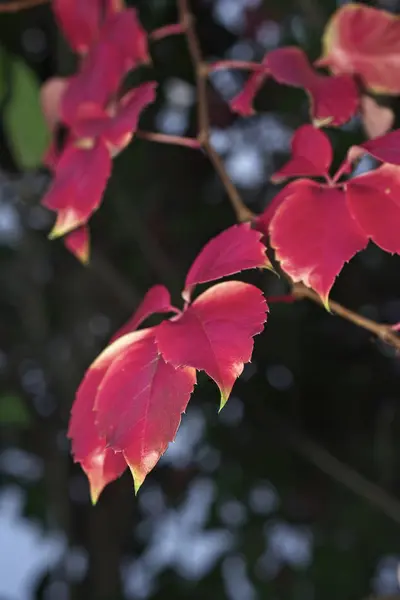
[138, 478]
[322, 122]
[224, 398]
[94, 494]
[325, 302]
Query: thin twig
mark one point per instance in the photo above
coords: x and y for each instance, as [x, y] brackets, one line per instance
[380, 330]
[163, 138]
[337, 470]
[201, 70]
[16, 5]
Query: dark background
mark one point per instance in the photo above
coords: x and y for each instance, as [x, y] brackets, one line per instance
[246, 505]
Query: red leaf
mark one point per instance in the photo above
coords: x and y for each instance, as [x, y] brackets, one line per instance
[374, 202]
[79, 21]
[92, 121]
[80, 179]
[242, 103]
[124, 31]
[314, 235]
[100, 463]
[377, 120]
[122, 46]
[140, 402]
[122, 127]
[51, 94]
[96, 82]
[334, 100]
[157, 300]
[78, 243]
[311, 155]
[233, 250]
[215, 333]
[364, 41]
[262, 222]
[385, 148]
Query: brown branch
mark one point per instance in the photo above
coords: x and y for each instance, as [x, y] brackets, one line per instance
[380, 330]
[16, 5]
[330, 465]
[202, 69]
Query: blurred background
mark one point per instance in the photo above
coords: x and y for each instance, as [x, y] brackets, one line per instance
[271, 499]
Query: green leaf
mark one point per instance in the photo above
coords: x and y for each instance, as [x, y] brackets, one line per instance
[23, 118]
[13, 411]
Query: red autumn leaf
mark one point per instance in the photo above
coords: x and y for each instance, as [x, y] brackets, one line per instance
[124, 31]
[235, 249]
[78, 243]
[139, 403]
[157, 300]
[262, 222]
[97, 81]
[314, 235]
[311, 155]
[364, 41]
[76, 191]
[99, 462]
[377, 120]
[334, 100]
[122, 46]
[124, 124]
[215, 333]
[242, 103]
[374, 201]
[81, 21]
[51, 94]
[116, 129]
[385, 148]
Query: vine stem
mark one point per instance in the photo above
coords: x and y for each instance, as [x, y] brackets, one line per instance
[202, 70]
[16, 5]
[380, 330]
[243, 214]
[163, 138]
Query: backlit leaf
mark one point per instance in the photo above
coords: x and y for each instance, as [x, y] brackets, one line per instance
[156, 300]
[139, 404]
[364, 41]
[80, 179]
[233, 250]
[311, 155]
[215, 333]
[78, 243]
[99, 462]
[374, 202]
[314, 235]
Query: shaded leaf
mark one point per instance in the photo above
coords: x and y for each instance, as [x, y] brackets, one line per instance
[24, 122]
[14, 412]
[334, 100]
